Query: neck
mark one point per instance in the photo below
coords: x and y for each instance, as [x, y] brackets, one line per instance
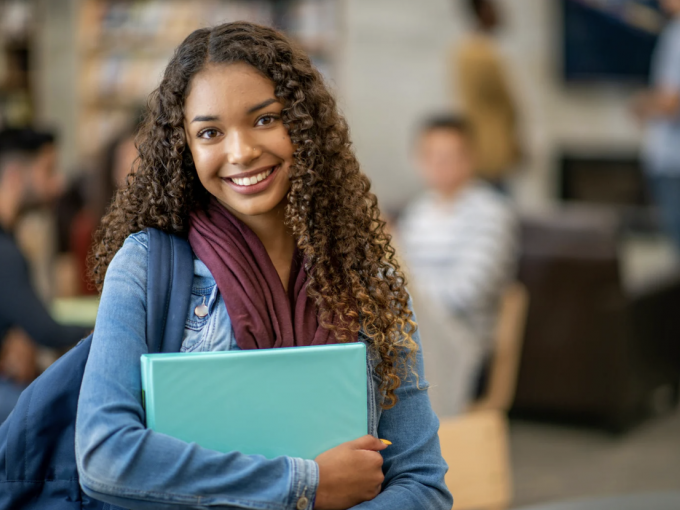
[484, 29]
[270, 228]
[450, 193]
[277, 239]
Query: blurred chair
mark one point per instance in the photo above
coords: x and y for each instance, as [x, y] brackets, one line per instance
[475, 446]
[595, 351]
[76, 311]
[502, 379]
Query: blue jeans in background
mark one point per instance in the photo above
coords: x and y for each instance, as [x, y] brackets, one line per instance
[666, 194]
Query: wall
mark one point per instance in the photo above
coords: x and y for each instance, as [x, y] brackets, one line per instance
[54, 71]
[392, 71]
[395, 65]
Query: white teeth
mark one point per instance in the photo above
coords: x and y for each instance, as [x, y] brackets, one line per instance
[249, 181]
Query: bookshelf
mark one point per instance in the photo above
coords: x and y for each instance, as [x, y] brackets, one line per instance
[16, 30]
[124, 46]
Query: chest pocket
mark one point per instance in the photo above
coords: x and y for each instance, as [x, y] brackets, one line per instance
[200, 321]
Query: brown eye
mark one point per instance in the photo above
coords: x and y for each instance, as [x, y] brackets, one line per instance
[265, 120]
[208, 133]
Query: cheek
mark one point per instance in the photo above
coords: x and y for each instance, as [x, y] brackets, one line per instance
[282, 146]
[289, 147]
[207, 160]
[434, 167]
[42, 181]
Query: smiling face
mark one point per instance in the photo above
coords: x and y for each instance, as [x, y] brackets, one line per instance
[241, 149]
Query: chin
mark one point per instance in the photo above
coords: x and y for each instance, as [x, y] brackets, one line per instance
[253, 209]
[253, 206]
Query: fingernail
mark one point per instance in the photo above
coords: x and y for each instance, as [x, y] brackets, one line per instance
[385, 441]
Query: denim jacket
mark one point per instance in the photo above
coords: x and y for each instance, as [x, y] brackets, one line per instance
[123, 463]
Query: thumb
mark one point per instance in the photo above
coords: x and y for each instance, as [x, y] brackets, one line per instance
[368, 442]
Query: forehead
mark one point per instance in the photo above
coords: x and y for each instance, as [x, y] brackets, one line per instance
[231, 87]
[439, 137]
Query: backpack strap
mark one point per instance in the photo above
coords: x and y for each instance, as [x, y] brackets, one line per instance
[169, 278]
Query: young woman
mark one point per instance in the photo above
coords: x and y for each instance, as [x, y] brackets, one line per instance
[243, 152]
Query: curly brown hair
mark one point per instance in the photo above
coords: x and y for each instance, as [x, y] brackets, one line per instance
[352, 270]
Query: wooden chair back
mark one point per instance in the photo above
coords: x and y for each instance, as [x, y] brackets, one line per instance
[500, 389]
[475, 446]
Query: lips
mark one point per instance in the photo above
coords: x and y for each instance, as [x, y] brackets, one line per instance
[256, 181]
[249, 181]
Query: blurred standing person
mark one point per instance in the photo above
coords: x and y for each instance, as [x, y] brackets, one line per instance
[486, 97]
[659, 109]
[117, 162]
[27, 179]
[459, 242]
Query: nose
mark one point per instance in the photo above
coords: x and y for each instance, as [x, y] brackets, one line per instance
[241, 148]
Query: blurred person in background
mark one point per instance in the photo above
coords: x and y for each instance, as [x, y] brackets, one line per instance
[459, 242]
[486, 98]
[118, 159]
[27, 180]
[659, 109]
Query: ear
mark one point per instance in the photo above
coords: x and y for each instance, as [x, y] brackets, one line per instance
[12, 176]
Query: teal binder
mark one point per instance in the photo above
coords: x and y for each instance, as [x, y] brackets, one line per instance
[298, 401]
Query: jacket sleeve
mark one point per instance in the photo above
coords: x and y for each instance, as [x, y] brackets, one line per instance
[413, 465]
[21, 307]
[121, 462]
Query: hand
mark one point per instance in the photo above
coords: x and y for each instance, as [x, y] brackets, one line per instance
[18, 357]
[640, 106]
[349, 474]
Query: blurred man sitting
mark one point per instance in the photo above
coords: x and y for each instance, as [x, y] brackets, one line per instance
[459, 243]
[27, 179]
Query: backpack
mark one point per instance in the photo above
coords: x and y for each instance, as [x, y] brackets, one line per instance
[37, 441]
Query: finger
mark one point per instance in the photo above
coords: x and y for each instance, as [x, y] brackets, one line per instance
[367, 442]
[374, 458]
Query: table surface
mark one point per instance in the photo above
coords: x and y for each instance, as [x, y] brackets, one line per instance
[647, 501]
[77, 311]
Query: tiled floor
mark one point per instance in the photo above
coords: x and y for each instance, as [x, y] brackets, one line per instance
[552, 462]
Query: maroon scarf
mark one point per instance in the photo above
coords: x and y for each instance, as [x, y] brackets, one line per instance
[261, 313]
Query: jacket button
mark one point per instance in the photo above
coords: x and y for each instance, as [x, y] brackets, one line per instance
[302, 503]
[201, 310]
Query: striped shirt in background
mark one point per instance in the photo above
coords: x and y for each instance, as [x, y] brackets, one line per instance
[461, 253]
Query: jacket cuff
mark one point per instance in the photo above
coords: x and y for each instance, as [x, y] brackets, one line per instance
[304, 482]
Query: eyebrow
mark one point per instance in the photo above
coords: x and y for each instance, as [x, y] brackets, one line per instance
[261, 105]
[205, 118]
[252, 109]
